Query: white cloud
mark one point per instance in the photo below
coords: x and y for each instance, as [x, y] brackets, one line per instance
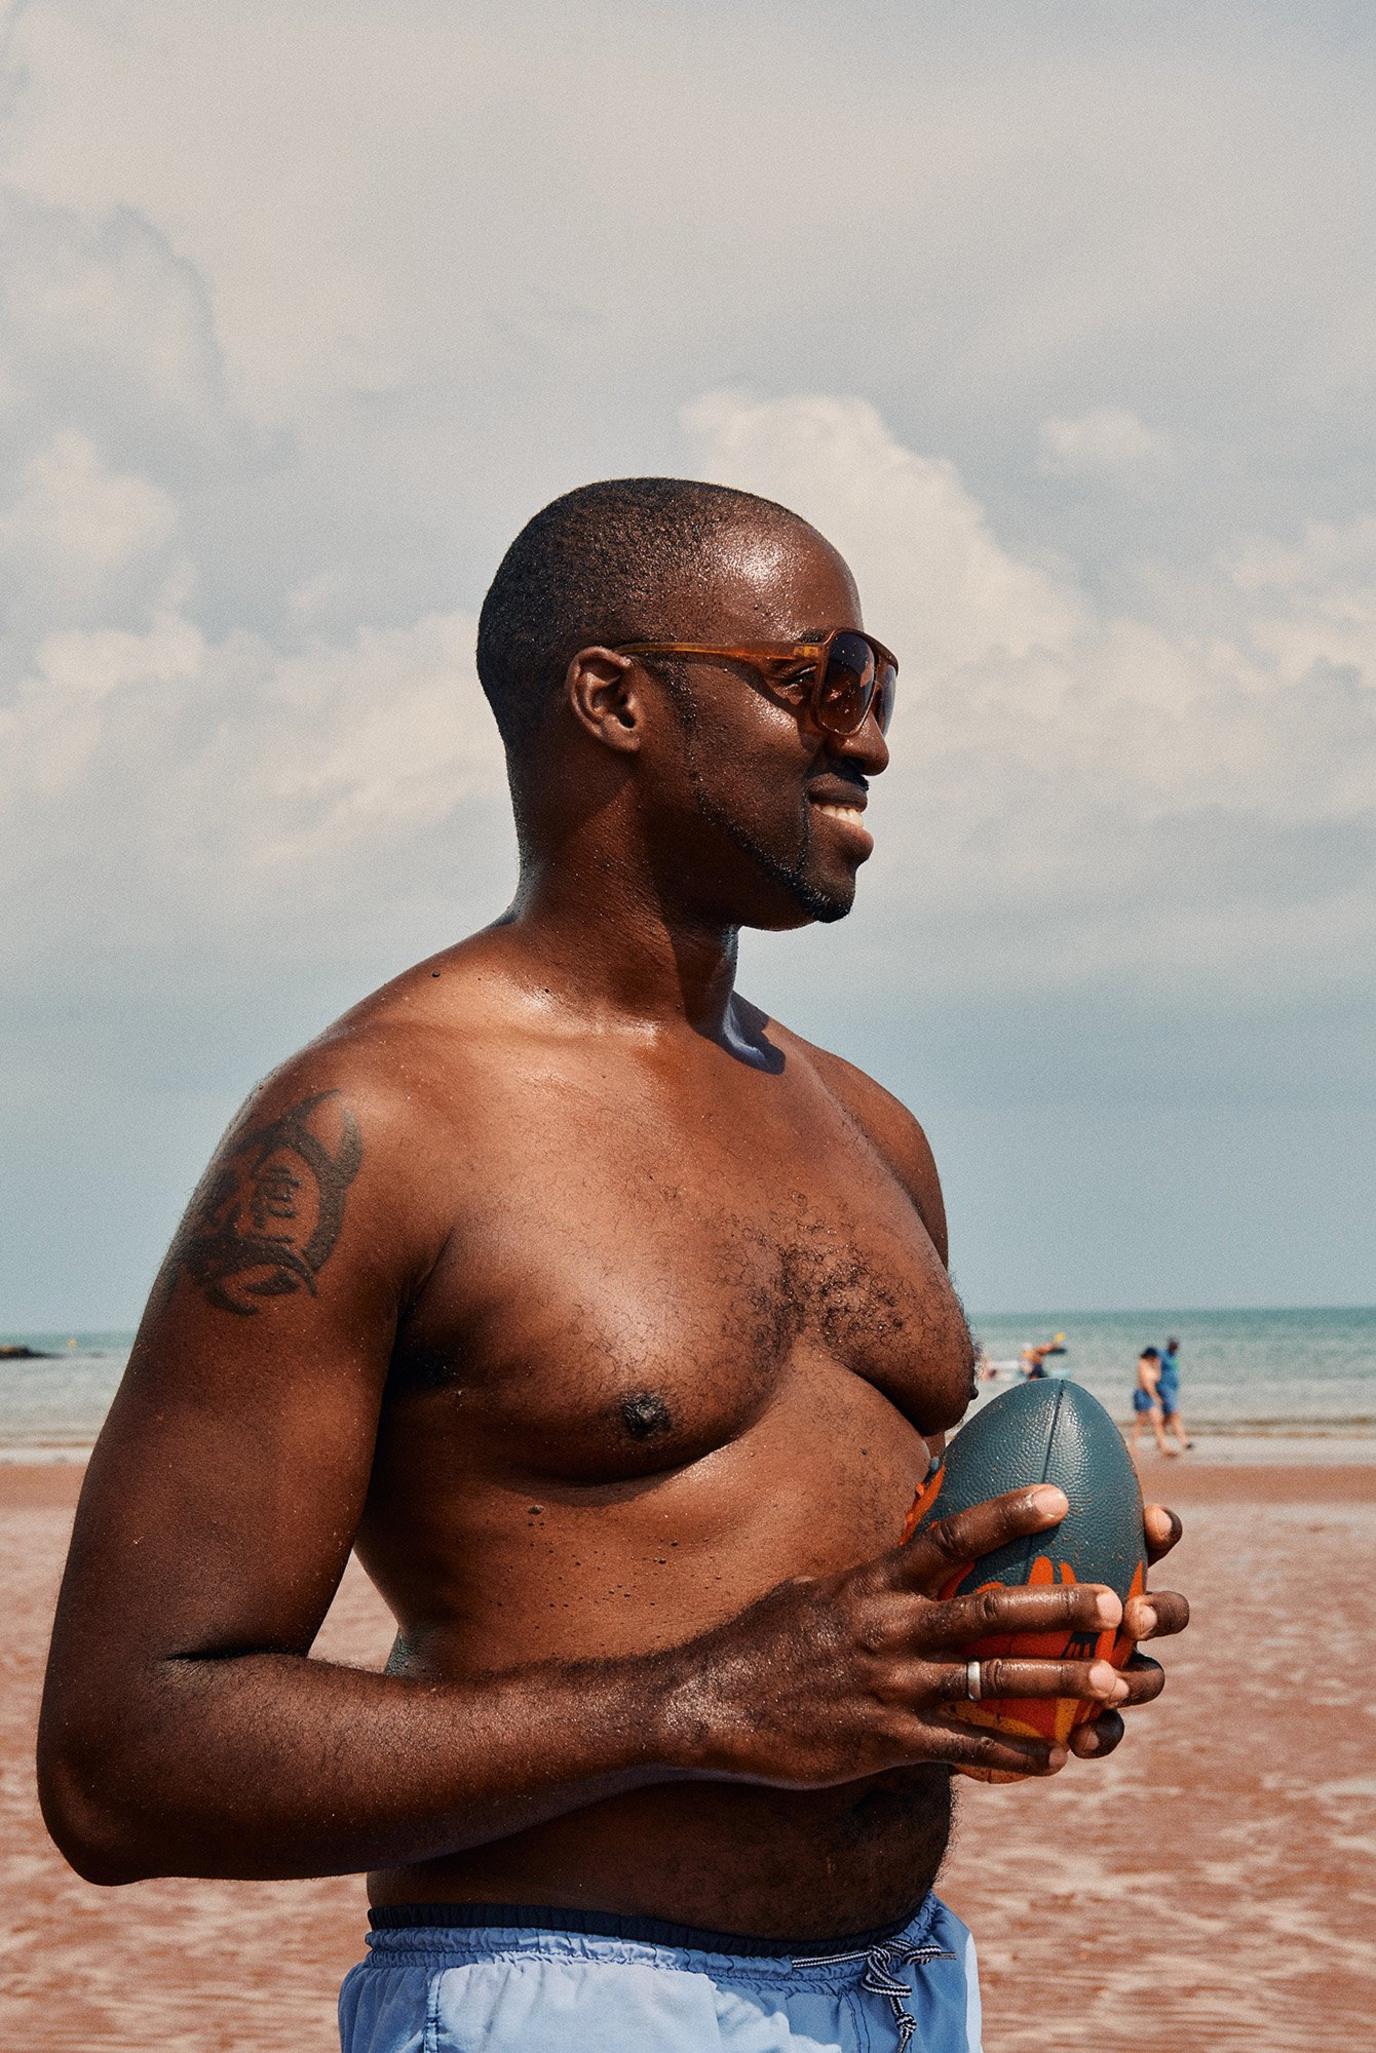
[1108, 443]
[1083, 793]
[103, 323]
[1314, 602]
[76, 521]
[161, 784]
[387, 195]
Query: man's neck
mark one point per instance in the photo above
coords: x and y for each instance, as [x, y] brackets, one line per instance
[612, 948]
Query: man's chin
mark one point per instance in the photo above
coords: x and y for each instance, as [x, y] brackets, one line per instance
[828, 898]
[809, 903]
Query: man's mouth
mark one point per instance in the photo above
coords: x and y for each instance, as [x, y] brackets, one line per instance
[849, 818]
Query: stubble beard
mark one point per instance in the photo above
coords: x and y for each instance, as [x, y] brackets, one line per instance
[812, 898]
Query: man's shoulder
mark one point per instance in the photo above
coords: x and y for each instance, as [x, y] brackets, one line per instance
[887, 1123]
[385, 1065]
[358, 1129]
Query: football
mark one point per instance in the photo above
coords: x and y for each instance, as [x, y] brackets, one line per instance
[1044, 1432]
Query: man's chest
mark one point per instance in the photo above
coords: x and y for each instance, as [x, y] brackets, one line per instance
[641, 1281]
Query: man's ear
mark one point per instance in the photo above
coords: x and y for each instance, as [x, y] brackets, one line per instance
[603, 692]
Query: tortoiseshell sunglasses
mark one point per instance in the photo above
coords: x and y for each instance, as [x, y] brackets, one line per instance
[838, 682]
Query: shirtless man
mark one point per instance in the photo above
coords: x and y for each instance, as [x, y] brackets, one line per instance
[609, 1322]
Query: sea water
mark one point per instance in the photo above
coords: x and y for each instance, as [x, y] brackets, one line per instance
[1244, 1372]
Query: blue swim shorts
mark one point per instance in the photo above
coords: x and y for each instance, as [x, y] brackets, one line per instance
[511, 1978]
[1142, 1400]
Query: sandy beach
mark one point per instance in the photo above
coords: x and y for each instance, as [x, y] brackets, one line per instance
[1209, 1888]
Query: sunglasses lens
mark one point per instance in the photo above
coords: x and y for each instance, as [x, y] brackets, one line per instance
[846, 688]
[885, 692]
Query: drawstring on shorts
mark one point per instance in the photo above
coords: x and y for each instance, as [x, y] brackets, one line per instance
[879, 1978]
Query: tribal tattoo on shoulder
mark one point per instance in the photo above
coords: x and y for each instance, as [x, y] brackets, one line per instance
[267, 1218]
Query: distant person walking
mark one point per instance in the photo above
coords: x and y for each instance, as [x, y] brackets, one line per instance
[1168, 1391]
[1146, 1400]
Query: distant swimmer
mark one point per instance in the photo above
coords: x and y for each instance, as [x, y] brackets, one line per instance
[1034, 1359]
[1146, 1400]
[1168, 1391]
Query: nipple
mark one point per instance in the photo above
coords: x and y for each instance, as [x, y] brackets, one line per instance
[645, 1415]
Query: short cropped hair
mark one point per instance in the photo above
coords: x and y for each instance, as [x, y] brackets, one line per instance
[1151, 1354]
[606, 563]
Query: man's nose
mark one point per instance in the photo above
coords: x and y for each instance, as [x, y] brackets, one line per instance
[866, 748]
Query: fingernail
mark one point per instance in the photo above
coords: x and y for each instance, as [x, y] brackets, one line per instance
[1104, 1681]
[1107, 1609]
[1118, 1694]
[1056, 1759]
[1147, 1619]
[1090, 1742]
[1051, 1501]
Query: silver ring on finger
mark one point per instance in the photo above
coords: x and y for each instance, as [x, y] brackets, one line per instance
[974, 1681]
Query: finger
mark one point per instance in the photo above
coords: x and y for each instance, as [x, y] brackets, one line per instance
[1162, 1529]
[980, 1746]
[1069, 1607]
[1156, 1615]
[1098, 1737]
[1145, 1681]
[1001, 1678]
[928, 1558]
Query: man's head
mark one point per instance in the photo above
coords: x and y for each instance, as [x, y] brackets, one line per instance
[720, 783]
[1172, 1346]
[1150, 1354]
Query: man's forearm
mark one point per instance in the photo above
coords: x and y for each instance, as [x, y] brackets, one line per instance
[267, 1766]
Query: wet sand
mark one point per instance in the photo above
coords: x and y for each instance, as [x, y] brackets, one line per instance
[1208, 1889]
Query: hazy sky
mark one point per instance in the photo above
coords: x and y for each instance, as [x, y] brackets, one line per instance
[1060, 320]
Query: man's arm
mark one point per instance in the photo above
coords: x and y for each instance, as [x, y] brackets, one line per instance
[184, 1728]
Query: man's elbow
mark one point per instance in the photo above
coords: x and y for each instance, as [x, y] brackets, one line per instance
[94, 1833]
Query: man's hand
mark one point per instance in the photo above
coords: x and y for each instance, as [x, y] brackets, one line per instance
[1151, 1617]
[834, 1678]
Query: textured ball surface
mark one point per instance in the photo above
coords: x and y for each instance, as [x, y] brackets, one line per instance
[1049, 1431]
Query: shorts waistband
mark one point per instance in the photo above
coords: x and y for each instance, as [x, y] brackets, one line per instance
[531, 1919]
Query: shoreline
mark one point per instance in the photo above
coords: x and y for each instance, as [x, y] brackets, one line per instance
[1249, 1444]
[52, 1479]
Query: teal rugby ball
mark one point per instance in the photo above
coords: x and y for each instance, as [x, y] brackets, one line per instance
[1044, 1431]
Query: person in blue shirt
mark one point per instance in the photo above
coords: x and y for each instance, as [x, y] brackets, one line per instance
[1168, 1393]
[1146, 1401]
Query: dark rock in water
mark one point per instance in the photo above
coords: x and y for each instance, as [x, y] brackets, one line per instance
[10, 1351]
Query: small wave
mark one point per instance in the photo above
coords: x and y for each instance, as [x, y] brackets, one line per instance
[1356, 1426]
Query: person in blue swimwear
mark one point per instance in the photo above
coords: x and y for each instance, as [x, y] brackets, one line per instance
[608, 1320]
[1168, 1391]
[1146, 1401]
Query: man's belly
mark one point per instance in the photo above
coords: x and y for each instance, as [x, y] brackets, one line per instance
[729, 1858]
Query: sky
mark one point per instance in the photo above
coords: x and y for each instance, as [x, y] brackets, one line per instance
[1059, 320]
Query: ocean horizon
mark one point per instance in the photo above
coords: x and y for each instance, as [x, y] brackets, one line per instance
[1250, 1371]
